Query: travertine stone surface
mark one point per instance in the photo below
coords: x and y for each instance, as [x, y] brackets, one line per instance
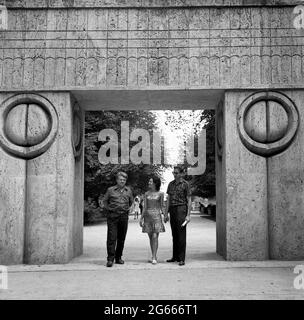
[256, 124]
[245, 186]
[42, 199]
[97, 48]
[54, 234]
[141, 3]
[221, 46]
[12, 206]
[264, 196]
[77, 232]
[27, 124]
[221, 234]
[286, 194]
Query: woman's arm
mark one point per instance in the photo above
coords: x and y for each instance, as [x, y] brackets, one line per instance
[143, 211]
[144, 205]
[162, 202]
[166, 217]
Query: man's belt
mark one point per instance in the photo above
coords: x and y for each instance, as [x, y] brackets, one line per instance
[120, 211]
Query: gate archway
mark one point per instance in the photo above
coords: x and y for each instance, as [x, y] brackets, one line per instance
[243, 60]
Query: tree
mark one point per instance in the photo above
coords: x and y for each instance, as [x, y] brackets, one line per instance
[189, 122]
[183, 122]
[99, 177]
[204, 185]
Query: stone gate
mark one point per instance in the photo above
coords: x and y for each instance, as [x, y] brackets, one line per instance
[243, 58]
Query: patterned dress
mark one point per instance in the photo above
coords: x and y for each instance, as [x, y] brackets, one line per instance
[153, 222]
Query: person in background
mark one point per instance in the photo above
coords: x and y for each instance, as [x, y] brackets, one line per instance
[136, 208]
[117, 201]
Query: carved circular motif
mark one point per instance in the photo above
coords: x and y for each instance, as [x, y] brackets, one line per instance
[267, 123]
[77, 138]
[219, 130]
[30, 125]
[27, 125]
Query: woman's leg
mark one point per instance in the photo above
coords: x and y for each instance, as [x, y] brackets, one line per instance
[154, 245]
[151, 243]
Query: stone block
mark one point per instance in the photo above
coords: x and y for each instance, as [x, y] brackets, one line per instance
[42, 196]
[285, 195]
[12, 205]
[245, 191]
[263, 189]
[238, 46]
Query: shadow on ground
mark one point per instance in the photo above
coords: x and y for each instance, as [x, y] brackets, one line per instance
[201, 242]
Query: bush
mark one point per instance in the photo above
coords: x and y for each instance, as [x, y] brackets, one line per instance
[93, 212]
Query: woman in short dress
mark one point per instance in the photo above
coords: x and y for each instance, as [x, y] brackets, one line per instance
[151, 218]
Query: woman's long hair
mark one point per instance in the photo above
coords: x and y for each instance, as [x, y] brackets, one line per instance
[156, 181]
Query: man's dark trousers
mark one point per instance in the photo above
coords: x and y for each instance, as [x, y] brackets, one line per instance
[117, 230]
[177, 217]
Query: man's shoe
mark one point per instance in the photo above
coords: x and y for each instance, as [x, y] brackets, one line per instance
[171, 260]
[119, 261]
[181, 263]
[110, 264]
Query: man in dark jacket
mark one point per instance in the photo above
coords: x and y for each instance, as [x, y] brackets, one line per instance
[179, 207]
[117, 201]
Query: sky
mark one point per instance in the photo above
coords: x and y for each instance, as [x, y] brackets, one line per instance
[174, 137]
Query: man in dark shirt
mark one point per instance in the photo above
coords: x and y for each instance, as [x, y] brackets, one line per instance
[117, 201]
[179, 206]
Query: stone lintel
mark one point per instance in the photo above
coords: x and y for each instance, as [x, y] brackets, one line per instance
[40, 4]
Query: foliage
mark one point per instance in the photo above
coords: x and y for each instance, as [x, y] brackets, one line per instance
[204, 185]
[99, 177]
[189, 122]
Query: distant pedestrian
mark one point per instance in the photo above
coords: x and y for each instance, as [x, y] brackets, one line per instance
[136, 208]
[117, 201]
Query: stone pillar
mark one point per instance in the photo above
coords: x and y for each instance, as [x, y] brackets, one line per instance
[286, 193]
[41, 176]
[261, 172]
[220, 181]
